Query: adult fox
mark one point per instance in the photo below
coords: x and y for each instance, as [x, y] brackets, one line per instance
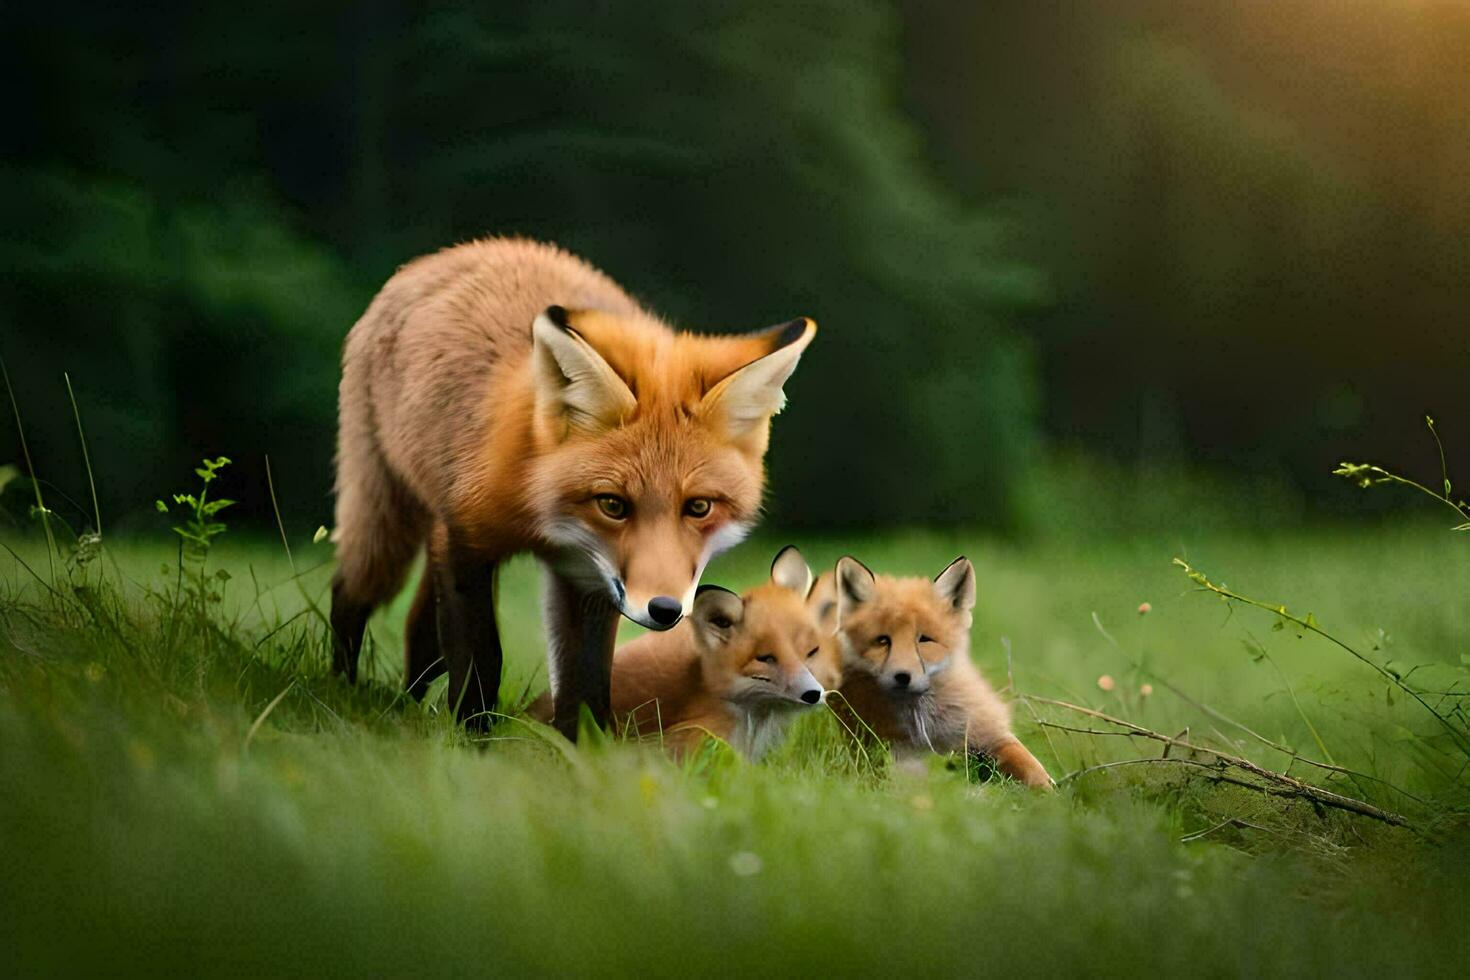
[503, 396]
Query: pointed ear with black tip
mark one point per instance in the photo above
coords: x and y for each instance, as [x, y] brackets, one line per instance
[741, 404]
[716, 614]
[575, 387]
[790, 571]
[956, 584]
[855, 586]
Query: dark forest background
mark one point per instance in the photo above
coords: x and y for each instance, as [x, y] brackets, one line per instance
[1051, 248]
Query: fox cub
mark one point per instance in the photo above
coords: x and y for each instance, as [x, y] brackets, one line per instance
[503, 396]
[740, 667]
[906, 668]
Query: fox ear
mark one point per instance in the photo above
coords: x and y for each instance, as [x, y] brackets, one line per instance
[855, 586]
[822, 601]
[573, 382]
[716, 614]
[743, 403]
[790, 571]
[956, 584]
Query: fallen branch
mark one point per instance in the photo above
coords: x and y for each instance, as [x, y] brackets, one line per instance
[1278, 784]
[1218, 715]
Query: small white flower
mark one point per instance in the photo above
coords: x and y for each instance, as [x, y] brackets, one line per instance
[745, 864]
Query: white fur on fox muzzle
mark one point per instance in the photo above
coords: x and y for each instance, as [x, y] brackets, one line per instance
[906, 682]
[805, 688]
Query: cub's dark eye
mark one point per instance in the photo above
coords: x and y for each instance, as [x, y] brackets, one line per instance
[813, 652]
[923, 638]
[698, 507]
[882, 640]
[767, 658]
[613, 507]
[720, 623]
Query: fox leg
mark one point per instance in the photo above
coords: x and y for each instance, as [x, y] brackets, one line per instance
[469, 639]
[379, 527]
[349, 623]
[1015, 760]
[581, 631]
[422, 662]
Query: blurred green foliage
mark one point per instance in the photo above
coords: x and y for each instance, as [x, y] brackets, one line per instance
[1255, 218]
[212, 199]
[1179, 236]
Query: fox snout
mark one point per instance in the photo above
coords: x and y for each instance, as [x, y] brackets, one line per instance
[910, 677]
[659, 612]
[907, 681]
[805, 688]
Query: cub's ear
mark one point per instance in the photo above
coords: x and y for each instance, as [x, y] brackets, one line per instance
[574, 385]
[855, 586]
[822, 602]
[742, 404]
[717, 614]
[956, 584]
[790, 571]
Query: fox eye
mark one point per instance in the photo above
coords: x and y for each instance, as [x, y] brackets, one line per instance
[613, 507]
[698, 507]
[767, 658]
[813, 652]
[925, 638]
[882, 640]
[720, 623]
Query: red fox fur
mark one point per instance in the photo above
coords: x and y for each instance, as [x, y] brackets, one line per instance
[503, 396]
[906, 667]
[738, 668]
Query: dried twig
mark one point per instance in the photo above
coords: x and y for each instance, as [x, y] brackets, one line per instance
[1235, 822]
[1277, 784]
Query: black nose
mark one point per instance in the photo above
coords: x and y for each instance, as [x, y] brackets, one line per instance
[664, 610]
[812, 696]
[901, 679]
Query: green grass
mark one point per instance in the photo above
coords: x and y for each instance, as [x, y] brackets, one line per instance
[196, 796]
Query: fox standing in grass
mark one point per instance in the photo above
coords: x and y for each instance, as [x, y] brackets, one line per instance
[906, 667]
[503, 396]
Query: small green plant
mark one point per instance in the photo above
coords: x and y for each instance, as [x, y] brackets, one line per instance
[1368, 475]
[1446, 706]
[1452, 722]
[199, 526]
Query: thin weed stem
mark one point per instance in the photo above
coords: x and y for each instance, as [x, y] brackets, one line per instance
[25, 449]
[86, 457]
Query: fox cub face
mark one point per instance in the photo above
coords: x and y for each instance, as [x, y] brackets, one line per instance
[652, 450]
[763, 648]
[900, 631]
